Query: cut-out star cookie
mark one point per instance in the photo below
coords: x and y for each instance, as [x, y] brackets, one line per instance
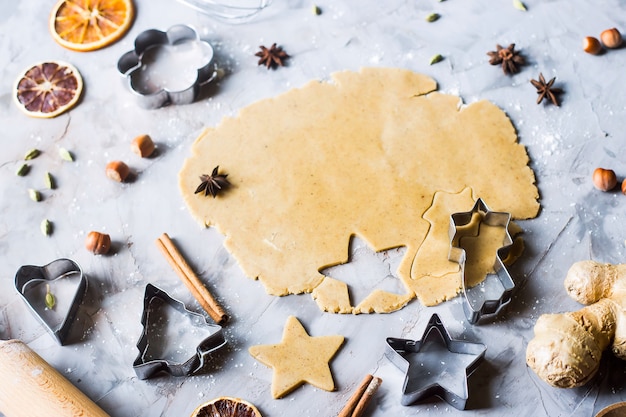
[299, 358]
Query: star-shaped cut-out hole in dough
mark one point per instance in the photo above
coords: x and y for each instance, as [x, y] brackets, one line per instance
[368, 270]
[298, 359]
[436, 365]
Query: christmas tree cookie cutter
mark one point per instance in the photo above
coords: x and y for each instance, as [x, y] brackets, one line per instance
[435, 375]
[53, 293]
[168, 67]
[152, 358]
[475, 307]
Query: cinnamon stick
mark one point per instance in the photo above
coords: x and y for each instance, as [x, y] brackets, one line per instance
[190, 279]
[359, 400]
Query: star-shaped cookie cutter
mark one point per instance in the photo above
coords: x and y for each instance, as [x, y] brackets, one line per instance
[475, 309]
[146, 367]
[429, 376]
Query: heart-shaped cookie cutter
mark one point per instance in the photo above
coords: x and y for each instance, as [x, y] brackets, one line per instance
[147, 367]
[30, 276]
[131, 66]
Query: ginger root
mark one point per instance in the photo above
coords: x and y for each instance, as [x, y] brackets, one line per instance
[567, 348]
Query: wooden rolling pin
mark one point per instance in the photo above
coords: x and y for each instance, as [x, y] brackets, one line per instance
[29, 386]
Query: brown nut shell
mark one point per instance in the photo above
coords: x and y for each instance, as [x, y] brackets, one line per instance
[591, 45]
[98, 243]
[117, 171]
[604, 179]
[611, 38]
[143, 146]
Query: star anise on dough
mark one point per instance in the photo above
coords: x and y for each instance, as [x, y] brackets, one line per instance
[212, 184]
[272, 57]
[546, 90]
[509, 58]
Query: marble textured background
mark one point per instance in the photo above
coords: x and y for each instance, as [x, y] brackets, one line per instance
[565, 144]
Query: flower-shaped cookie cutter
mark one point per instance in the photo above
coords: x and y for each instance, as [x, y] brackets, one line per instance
[148, 67]
[435, 375]
[58, 312]
[475, 309]
[145, 365]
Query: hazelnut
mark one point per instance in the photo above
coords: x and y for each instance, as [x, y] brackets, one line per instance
[604, 179]
[611, 38]
[142, 145]
[98, 243]
[591, 45]
[117, 171]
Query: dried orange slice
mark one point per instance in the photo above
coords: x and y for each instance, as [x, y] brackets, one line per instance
[226, 407]
[48, 89]
[87, 25]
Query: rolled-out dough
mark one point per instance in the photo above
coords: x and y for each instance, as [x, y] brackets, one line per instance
[363, 154]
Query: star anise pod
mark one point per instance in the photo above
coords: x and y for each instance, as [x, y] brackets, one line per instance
[546, 90]
[272, 57]
[212, 184]
[509, 58]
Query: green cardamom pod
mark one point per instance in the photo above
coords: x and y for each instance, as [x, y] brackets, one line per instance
[50, 300]
[519, 5]
[49, 181]
[34, 194]
[66, 155]
[46, 227]
[22, 170]
[32, 154]
[435, 58]
[432, 17]
[316, 10]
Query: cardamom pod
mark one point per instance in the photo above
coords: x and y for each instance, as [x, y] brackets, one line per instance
[50, 300]
[32, 154]
[316, 10]
[49, 181]
[66, 155]
[435, 58]
[432, 17]
[519, 5]
[46, 227]
[22, 170]
[34, 194]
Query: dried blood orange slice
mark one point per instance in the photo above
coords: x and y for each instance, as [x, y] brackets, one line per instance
[87, 25]
[48, 89]
[226, 407]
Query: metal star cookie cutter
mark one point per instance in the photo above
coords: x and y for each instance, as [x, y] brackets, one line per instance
[433, 375]
[150, 85]
[476, 307]
[66, 285]
[150, 362]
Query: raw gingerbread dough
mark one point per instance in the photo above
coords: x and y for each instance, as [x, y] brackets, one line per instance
[365, 154]
[299, 358]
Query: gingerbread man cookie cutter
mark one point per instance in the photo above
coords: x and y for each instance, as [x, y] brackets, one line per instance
[476, 305]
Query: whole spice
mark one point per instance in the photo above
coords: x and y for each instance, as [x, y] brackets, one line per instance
[46, 227]
[591, 45]
[212, 184]
[34, 194]
[49, 300]
[546, 90]
[316, 10]
[98, 243]
[272, 57]
[432, 17]
[143, 146]
[604, 179]
[66, 155]
[508, 57]
[117, 171]
[435, 59]
[611, 38]
[48, 179]
[32, 154]
[22, 170]
[519, 5]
